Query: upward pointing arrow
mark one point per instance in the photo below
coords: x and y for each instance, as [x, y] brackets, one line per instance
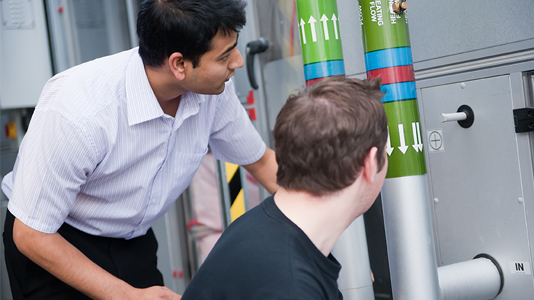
[334, 19]
[324, 19]
[302, 23]
[312, 24]
[403, 146]
[389, 150]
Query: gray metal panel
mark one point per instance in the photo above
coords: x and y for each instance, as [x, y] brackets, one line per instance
[476, 179]
[522, 96]
[25, 63]
[440, 29]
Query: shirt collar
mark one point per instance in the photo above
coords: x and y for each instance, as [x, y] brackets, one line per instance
[141, 101]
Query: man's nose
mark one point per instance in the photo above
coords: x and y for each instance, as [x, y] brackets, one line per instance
[238, 61]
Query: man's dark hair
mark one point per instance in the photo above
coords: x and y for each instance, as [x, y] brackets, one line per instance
[185, 26]
[323, 134]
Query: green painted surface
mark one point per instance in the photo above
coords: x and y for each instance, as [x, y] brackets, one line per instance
[315, 47]
[412, 162]
[383, 28]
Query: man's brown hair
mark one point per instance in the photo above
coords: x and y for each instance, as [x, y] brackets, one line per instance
[323, 134]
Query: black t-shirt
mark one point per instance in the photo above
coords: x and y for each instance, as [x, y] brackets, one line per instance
[263, 255]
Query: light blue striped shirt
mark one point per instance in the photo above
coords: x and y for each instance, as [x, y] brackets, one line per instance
[101, 155]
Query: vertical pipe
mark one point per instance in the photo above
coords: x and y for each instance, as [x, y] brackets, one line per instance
[323, 57]
[224, 194]
[354, 280]
[320, 39]
[405, 198]
[132, 23]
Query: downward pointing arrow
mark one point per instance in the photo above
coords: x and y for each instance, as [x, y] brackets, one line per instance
[312, 24]
[324, 19]
[417, 140]
[302, 23]
[403, 146]
[389, 150]
[415, 144]
[420, 137]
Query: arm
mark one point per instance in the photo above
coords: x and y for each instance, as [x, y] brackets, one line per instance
[60, 258]
[264, 170]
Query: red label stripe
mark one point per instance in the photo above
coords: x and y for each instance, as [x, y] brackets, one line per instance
[312, 81]
[393, 74]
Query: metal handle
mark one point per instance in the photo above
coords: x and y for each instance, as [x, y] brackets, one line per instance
[459, 116]
[253, 48]
[464, 115]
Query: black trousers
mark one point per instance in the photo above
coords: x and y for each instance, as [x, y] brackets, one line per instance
[133, 261]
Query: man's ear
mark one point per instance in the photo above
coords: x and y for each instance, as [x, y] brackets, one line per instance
[177, 65]
[370, 165]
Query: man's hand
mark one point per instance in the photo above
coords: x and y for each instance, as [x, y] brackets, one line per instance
[264, 170]
[156, 292]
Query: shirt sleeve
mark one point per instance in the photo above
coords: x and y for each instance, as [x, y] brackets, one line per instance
[233, 137]
[54, 160]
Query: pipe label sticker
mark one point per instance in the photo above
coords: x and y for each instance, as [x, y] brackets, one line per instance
[320, 34]
[405, 139]
[520, 267]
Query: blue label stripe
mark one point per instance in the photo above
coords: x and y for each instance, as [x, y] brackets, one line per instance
[388, 58]
[399, 91]
[324, 69]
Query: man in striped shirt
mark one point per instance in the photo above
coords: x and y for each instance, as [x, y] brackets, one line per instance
[114, 142]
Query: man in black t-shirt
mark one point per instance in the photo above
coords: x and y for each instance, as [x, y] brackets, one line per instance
[330, 147]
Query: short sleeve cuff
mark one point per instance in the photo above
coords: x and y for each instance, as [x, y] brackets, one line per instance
[32, 223]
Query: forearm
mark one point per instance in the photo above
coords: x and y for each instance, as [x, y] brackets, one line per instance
[264, 170]
[60, 258]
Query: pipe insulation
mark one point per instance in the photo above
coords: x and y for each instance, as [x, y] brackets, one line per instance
[354, 280]
[405, 197]
[477, 279]
[409, 238]
[320, 39]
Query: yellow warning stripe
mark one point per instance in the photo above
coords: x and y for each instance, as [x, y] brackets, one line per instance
[237, 198]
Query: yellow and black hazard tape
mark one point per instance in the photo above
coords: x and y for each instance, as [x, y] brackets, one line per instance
[235, 187]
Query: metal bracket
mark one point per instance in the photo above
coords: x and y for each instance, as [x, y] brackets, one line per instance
[524, 119]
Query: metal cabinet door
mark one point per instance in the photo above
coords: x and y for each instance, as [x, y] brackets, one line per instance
[476, 179]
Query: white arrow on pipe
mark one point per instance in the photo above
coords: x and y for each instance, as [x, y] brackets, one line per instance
[334, 19]
[389, 149]
[403, 146]
[312, 24]
[324, 19]
[417, 140]
[302, 23]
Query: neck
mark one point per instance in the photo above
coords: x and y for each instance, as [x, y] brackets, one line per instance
[167, 92]
[322, 219]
